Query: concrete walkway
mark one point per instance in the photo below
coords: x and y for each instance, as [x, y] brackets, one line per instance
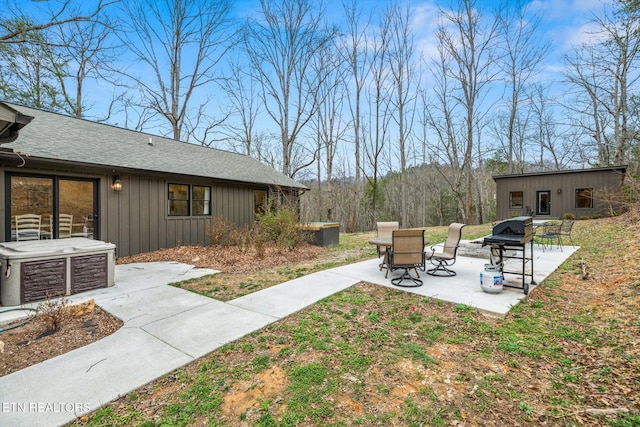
[167, 327]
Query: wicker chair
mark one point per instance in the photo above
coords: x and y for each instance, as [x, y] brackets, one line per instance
[406, 253]
[444, 259]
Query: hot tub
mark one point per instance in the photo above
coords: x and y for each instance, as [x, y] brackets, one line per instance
[323, 233]
[39, 269]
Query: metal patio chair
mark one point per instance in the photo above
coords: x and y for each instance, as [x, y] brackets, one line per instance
[550, 233]
[406, 253]
[565, 229]
[445, 258]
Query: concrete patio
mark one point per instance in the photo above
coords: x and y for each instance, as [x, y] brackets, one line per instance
[166, 327]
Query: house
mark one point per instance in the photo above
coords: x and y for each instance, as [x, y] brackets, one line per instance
[139, 191]
[581, 192]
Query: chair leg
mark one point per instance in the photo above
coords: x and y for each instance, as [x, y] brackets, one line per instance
[405, 275]
[443, 268]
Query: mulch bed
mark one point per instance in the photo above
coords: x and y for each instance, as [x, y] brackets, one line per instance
[35, 341]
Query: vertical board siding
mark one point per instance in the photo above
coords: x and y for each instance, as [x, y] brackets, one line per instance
[148, 226]
[136, 220]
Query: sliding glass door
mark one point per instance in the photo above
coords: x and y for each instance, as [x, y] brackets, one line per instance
[53, 207]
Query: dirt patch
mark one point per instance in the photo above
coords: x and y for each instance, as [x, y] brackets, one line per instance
[247, 395]
[35, 342]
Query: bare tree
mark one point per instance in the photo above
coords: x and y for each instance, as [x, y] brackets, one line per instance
[379, 112]
[58, 14]
[89, 49]
[524, 51]
[282, 45]
[356, 55]
[471, 44]
[402, 68]
[329, 124]
[442, 117]
[180, 44]
[243, 94]
[603, 73]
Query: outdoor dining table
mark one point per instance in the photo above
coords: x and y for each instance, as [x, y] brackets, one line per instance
[383, 243]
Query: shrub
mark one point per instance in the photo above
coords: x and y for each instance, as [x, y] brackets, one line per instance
[282, 227]
[584, 217]
[219, 231]
[52, 313]
[569, 215]
[258, 239]
[240, 236]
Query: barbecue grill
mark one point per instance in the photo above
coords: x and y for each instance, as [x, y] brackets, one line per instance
[511, 236]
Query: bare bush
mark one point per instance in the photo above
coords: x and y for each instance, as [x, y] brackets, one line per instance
[53, 312]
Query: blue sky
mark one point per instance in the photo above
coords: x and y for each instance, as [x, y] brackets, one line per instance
[565, 23]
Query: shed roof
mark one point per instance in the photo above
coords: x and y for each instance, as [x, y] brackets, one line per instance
[621, 169]
[53, 136]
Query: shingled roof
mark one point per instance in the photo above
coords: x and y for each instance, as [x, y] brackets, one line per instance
[58, 137]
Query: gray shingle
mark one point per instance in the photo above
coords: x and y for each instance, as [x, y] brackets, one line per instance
[65, 138]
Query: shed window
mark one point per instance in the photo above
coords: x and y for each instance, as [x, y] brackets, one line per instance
[185, 200]
[584, 197]
[516, 199]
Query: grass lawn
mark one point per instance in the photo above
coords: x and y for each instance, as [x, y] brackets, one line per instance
[568, 355]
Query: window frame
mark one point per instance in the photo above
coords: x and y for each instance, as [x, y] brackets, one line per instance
[577, 196]
[207, 200]
[511, 205]
[260, 208]
[190, 200]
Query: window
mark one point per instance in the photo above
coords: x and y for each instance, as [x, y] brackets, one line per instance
[201, 204]
[584, 197]
[185, 200]
[516, 199]
[260, 201]
[178, 199]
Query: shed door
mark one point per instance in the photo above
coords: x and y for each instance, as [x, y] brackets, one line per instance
[543, 202]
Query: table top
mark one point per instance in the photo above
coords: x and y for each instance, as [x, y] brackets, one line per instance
[381, 241]
[387, 241]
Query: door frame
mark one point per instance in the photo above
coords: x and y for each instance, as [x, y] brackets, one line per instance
[539, 203]
[55, 178]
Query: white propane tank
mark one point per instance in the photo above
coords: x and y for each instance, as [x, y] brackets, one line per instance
[491, 280]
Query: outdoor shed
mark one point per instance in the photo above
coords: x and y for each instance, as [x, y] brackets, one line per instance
[139, 191]
[581, 192]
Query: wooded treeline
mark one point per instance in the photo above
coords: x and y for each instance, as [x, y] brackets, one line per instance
[401, 112]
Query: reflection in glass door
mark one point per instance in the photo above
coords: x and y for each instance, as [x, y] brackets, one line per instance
[76, 211]
[543, 204]
[31, 208]
[51, 207]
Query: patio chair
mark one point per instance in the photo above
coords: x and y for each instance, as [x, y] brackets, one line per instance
[550, 233]
[28, 227]
[385, 230]
[406, 253]
[444, 259]
[565, 229]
